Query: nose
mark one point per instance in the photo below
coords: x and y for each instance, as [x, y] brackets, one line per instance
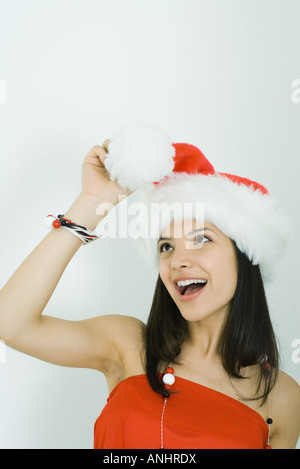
[181, 259]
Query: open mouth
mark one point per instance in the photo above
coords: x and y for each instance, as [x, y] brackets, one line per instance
[189, 287]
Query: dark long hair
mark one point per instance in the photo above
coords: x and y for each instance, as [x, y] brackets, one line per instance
[248, 337]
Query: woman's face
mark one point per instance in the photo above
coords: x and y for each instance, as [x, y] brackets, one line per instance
[203, 253]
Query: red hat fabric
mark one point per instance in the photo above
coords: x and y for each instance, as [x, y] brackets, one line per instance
[189, 159]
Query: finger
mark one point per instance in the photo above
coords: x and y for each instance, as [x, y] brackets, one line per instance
[105, 144]
[97, 153]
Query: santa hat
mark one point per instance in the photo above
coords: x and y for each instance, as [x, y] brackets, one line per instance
[143, 157]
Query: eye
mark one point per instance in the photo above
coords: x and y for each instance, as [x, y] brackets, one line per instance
[201, 239]
[164, 247]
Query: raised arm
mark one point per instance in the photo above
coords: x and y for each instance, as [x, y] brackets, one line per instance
[88, 343]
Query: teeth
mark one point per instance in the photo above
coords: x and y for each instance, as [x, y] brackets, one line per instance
[183, 283]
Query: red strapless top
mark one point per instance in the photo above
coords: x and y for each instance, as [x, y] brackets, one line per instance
[195, 417]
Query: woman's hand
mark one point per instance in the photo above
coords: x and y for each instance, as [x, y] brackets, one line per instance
[99, 194]
[95, 178]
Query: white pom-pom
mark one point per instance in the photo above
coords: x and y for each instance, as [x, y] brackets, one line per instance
[139, 154]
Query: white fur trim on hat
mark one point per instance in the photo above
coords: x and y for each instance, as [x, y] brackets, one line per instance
[245, 215]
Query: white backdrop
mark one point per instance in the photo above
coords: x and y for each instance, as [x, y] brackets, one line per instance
[221, 75]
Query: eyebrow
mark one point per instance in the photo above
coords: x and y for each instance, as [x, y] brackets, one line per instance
[191, 233]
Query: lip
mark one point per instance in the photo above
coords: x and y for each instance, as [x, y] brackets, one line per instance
[187, 297]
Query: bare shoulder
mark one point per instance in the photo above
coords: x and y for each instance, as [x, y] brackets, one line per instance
[285, 402]
[287, 391]
[122, 330]
[126, 333]
[127, 347]
[130, 342]
[126, 328]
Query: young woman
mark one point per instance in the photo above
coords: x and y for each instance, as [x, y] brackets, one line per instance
[208, 327]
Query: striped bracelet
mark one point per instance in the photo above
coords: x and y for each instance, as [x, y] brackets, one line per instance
[80, 231]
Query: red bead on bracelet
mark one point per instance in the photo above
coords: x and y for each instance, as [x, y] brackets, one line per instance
[56, 224]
